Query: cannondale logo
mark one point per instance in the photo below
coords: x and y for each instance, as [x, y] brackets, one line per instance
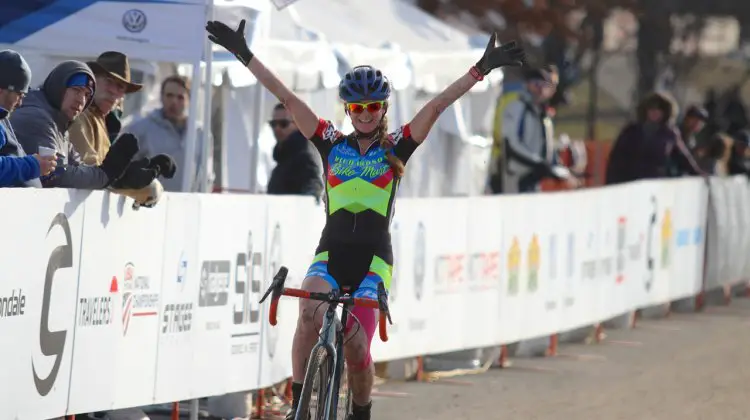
[419, 261]
[52, 343]
[134, 21]
[274, 263]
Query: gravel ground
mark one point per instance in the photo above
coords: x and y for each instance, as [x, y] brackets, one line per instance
[688, 366]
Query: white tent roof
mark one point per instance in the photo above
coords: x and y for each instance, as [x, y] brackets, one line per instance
[411, 46]
[142, 30]
[370, 23]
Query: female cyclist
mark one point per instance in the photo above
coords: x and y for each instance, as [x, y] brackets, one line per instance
[362, 171]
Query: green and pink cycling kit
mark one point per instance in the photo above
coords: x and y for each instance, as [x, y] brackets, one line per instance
[355, 249]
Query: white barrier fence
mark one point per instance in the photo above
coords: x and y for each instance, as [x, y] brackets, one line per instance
[102, 307]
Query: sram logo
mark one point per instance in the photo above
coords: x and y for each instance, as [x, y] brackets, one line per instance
[247, 280]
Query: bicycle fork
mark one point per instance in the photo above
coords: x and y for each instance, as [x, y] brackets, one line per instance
[334, 339]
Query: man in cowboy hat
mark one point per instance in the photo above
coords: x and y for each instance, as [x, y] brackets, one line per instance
[91, 138]
[89, 132]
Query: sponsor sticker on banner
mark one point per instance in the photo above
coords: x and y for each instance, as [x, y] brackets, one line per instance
[179, 297]
[118, 303]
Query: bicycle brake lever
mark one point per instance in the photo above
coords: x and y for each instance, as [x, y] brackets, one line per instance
[383, 302]
[277, 286]
[268, 292]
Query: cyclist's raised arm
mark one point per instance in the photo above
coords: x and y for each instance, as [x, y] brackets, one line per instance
[234, 41]
[506, 55]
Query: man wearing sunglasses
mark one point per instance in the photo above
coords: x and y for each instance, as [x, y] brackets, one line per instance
[298, 170]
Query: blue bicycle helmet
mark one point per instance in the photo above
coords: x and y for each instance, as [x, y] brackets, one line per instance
[364, 83]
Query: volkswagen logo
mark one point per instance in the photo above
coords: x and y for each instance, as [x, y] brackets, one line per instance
[134, 21]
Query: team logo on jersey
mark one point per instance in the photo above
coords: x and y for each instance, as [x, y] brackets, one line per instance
[397, 136]
[330, 133]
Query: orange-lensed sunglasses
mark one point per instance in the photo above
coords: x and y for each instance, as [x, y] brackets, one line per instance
[372, 107]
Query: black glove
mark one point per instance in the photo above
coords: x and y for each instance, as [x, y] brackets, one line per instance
[164, 165]
[509, 54]
[119, 156]
[138, 175]
[233, 41]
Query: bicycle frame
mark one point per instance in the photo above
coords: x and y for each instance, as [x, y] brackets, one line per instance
[332, 338]
[332, 335]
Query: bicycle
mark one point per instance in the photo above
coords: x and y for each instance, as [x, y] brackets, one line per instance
[325, 367]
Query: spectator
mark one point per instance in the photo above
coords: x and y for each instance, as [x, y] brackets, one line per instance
[734, 112]
[739, 160]
[527, 136]
[43, 121]
[721, 154]
[683, 159]
[163, 131]
[644, 148]
[90, 135]
[17, 169]
[692, 124]
[298, 169]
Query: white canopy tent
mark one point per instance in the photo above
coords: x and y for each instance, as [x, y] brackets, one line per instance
[146, 31]
[420, 54]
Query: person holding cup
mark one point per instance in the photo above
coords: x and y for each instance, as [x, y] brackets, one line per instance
[16, 168]
[45, 116]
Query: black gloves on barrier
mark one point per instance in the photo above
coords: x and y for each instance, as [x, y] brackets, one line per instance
[164, 165]
[138, 175]
[233, 41]
[141, 172]
[510, 54]
[119, 156]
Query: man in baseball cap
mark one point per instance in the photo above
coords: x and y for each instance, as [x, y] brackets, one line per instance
[16, 168]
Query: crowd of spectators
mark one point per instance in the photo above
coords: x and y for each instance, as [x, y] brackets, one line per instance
[711, 139]
[65, 133]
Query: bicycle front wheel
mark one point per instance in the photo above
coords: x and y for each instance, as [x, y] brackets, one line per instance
[345, 398]
[312, 402]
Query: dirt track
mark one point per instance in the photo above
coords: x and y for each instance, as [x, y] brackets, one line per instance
[689, 366]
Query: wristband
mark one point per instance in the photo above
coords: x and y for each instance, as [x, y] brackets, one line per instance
[476, 73]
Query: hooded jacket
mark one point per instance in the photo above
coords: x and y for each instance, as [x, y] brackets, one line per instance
[39, 122]
[16, 168]
[646, 150]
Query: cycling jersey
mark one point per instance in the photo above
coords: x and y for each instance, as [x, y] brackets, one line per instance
[360, 192]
